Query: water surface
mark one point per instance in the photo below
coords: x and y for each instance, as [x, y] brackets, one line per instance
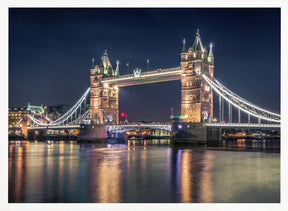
[148, 171]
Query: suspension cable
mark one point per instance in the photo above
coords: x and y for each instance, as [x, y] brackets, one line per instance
[239, 102]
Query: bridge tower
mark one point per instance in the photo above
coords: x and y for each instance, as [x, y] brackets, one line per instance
[104, 98]
[196, 94]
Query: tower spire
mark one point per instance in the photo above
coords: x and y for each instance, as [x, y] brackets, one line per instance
[117, 68]
[210, 56]
[197, 33]
[197, 45]
[210, 50]
[105, 53]
[184, 45]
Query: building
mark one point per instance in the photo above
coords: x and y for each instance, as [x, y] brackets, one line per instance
[18, 119]
[196, 94]
[104, 100]
[56, 111]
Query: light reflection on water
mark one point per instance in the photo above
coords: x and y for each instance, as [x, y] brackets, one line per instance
[144, 171]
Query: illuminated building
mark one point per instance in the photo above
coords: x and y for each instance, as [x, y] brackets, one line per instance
[104, 101]
[18, 119]
[196, 94]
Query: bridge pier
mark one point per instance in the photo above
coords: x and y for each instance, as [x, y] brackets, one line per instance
[92, 132]
[194, 133]
[36, 134]
[214, 136]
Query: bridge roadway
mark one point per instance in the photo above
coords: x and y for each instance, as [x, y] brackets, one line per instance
[123, 128]
[58, 127]
[114, 128]
[110, 128]
[242, 125]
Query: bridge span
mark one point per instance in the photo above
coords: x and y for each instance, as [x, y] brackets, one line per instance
[155, 76]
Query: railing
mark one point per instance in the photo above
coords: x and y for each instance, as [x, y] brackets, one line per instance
[115, 128]
[246, 125]
[55, 127]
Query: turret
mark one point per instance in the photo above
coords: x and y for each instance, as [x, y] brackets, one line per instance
[105, 66]
[197, 46]
[92, 64]
[92, 68]
[184, 46]
[211, 56]
[184, 51]
[116, 73]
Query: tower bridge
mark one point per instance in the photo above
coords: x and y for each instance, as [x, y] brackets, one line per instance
[196, 73]
[196, 95]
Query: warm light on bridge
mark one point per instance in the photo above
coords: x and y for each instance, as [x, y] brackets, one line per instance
[169, 71]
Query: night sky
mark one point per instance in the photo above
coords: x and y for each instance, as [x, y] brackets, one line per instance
[50, 53]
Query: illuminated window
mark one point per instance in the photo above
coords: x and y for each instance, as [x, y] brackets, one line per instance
[207, 88]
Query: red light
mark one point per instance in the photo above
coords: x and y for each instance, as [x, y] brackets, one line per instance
[122, 114]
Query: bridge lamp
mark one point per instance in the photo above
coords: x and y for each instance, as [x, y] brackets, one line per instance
[116, 88]
[179, 127]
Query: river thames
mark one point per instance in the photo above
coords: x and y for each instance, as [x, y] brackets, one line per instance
[147, 171]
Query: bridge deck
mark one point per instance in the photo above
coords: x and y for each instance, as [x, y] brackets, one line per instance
[242, 125]
[163, 126]
[55, 127]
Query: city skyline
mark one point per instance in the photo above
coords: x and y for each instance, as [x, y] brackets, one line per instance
[255, 52]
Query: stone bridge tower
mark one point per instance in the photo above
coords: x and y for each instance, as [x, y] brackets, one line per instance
[196, 94]
[104, 99]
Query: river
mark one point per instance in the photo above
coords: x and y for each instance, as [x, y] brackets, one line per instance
[151, 171]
